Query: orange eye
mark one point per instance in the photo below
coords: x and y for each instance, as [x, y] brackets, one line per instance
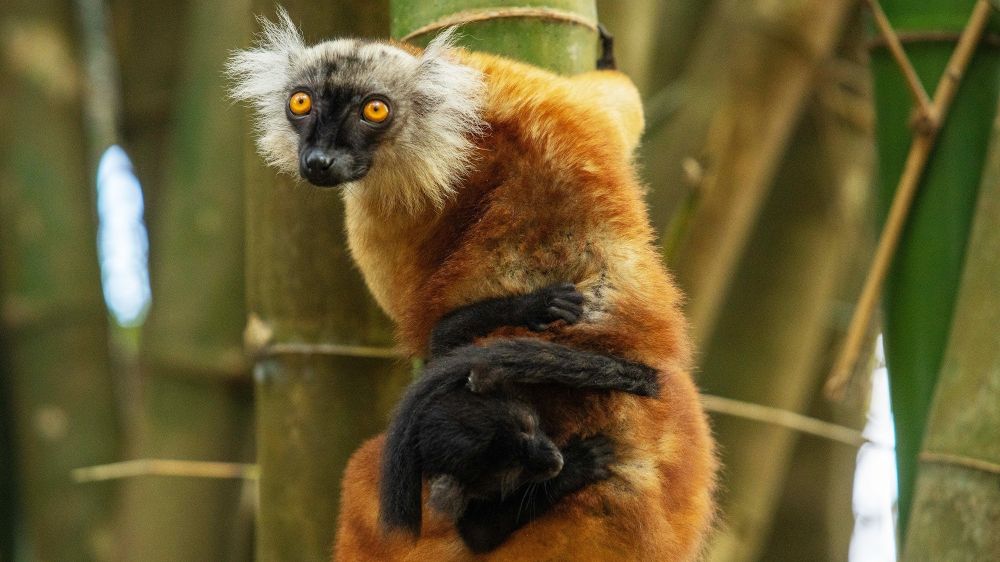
[300, 103]
[376, 111]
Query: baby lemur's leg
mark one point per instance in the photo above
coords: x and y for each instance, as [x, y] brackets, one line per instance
[534, 310]
[486, 524]
[529, 360]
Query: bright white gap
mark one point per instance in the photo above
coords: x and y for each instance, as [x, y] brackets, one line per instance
[875, 488]
[122, 243]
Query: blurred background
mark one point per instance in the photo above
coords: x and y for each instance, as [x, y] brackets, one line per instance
[188, 356]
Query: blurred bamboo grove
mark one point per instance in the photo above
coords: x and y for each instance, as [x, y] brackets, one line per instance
[777, 134]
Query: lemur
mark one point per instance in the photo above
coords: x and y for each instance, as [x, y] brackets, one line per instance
[493, 467]
[467, 176]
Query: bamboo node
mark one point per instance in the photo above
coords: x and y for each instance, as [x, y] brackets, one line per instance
[472, 16]
[257, 334]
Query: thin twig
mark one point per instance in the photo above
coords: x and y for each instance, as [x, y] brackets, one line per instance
[783, 418]
[165, 467]
[916, 160]
[916, 88]
[933, 36]
[344, 350]
[959, 460]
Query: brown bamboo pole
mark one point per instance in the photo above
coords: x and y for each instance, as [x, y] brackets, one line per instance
[814, 518]
[52, 318]
[788, 281]
[735, 133]
[957, 499]
[196, 402]
[309, 310]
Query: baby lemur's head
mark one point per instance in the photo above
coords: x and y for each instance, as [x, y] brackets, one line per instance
[388, 123]
[469, 445]
[492, 451]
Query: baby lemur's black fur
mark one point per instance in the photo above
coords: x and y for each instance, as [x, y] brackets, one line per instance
[482, 448]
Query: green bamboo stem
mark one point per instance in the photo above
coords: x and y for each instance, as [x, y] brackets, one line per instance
[788, 280]
[313, 407]
[732, 136]
[150, 79]
[8, 469]
[956, 508]
[557, 45]
[53, 320]
[196, 400]
[921, 286]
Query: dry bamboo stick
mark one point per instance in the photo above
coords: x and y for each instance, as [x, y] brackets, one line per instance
[164, 467]
[783, 418]
[924, 104]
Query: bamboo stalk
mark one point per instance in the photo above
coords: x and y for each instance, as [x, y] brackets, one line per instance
[740, 118]
[913, 171]
[788, 280]
[52, 318]
[150, 79]
[957, 499]
[308, 306]
[196, 403]
[921, 285]
[566, 45]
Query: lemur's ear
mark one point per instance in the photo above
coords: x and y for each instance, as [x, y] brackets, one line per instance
[401, 483]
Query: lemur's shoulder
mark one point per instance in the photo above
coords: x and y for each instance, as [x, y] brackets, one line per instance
[513, 86]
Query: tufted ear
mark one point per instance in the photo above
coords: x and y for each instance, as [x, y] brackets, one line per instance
[259, 77]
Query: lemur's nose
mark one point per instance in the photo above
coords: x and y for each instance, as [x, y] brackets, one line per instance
[318, 160]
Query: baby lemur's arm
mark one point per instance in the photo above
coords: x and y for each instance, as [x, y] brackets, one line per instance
[530, 360]
[534, 310]
[486, 524]
[527, 360]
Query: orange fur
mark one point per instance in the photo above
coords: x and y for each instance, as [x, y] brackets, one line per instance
[554, 197]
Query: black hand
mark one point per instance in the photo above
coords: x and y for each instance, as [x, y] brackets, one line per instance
[535, 310]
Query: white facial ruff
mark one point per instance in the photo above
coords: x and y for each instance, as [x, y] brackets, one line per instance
[429, 146]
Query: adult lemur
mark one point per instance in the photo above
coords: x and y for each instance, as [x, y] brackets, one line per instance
[467, 177]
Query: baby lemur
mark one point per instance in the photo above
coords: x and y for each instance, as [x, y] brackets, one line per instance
[492, 466]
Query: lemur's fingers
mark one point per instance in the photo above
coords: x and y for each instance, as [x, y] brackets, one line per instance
[566, 291]
[561, 302]
[563, 314]
[569, 306]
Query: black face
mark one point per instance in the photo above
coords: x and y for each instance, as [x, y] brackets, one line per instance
[339, 130]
